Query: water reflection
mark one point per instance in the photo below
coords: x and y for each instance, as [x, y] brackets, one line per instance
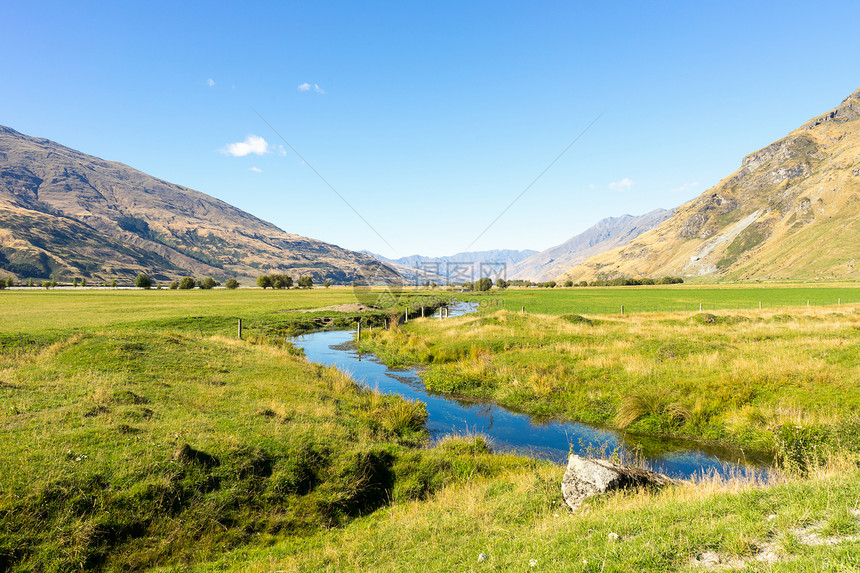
[512, 431]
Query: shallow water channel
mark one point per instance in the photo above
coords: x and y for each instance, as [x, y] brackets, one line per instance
[512, 431]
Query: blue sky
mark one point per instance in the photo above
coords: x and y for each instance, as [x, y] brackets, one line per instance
[428, 118]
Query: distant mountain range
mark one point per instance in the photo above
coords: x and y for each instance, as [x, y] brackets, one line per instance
[67, 214]
[604, 236]
[454, 268]
[792, 211]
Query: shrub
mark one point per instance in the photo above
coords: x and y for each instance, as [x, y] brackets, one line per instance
[264, 281]
[306, 282]
[83, 282]
[187, 283]
[232, 284]
[207, 283]
[483, 284]
[174, 285]
[143, 281]
[568, 283]
[327, 284]
[113, 283]
[281, 281]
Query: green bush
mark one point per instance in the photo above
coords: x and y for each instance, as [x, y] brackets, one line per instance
[174, 285]
[264, 281]
[207, 283]
[232, 284]
[187, 283]
[143, 281]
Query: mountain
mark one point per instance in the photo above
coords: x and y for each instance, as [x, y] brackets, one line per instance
[455, 268]
[604, 236]
[792, 211]
[64, 213]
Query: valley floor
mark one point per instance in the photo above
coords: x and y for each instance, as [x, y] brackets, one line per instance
[138, 433]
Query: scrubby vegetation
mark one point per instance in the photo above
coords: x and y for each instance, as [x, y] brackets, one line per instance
[729, 377]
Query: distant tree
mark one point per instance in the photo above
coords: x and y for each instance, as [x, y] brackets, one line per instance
[75, 282]
[2, 284]
[264, 281]
[281, 281]
[53, 283]
[113, 283]
[232, 284]
[186, 283]
[327, 284]
[568, 283]
[174, 285]
[143, 281]
[46, 284]
[484, 284]
[433, 285]
[29, 282]
[306, 282]
[83, 282]
[427, 283]
[501, 283]
[9, 282]
[207, 283]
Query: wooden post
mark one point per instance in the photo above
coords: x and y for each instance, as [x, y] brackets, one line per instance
[838, 301]
[240, 329]
[524, 309]
[759, 305]
[700, 307]
[406, 317]
[359, 330]
[807, 303]
[622, 310]
[422, 311]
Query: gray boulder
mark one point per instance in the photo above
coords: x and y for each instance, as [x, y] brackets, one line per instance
[587, 477]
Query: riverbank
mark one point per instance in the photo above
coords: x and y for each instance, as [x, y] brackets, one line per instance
[764, 380]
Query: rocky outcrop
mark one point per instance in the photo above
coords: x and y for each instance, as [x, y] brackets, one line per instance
[586, 477]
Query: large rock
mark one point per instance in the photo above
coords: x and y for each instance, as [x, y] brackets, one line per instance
[587, 477]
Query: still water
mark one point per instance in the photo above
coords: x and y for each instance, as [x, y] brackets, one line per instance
[512, 431]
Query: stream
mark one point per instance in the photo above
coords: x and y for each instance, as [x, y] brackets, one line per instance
[511, 431]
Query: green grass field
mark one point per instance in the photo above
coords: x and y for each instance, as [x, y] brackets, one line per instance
[670, 298]
[137, 433]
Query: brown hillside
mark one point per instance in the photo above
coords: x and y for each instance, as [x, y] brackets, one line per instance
[792, 211]
[64, 213]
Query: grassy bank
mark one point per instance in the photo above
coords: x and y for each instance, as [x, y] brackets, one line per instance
[123, 450]
[516, 521]
[746, 378]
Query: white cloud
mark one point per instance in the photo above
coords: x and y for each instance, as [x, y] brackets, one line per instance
[256, 170]
[252, 144]
[686, 187]
[210, 82]
[624, 185]
[281, 151]
[306, 87]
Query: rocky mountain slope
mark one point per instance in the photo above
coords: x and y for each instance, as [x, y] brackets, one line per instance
[608, 234]
[65, 214]
[792, 211]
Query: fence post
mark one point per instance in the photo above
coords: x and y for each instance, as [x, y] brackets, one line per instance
[406, 317]
[240, 329]
[523, 309]
[700, 307]
[622, 310]
[359, 330]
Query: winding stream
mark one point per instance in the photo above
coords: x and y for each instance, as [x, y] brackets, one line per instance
[511, 431]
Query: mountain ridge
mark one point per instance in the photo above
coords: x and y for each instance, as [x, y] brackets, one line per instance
[604, 235]
[791, 211]
[65, 213]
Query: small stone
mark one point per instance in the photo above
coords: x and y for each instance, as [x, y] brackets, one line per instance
[771, 517]
[555, 515]
[613, 537]
[482, 557]
[532, 562]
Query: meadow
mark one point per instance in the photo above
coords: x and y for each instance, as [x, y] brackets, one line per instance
[668, 298]
[138, 433]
